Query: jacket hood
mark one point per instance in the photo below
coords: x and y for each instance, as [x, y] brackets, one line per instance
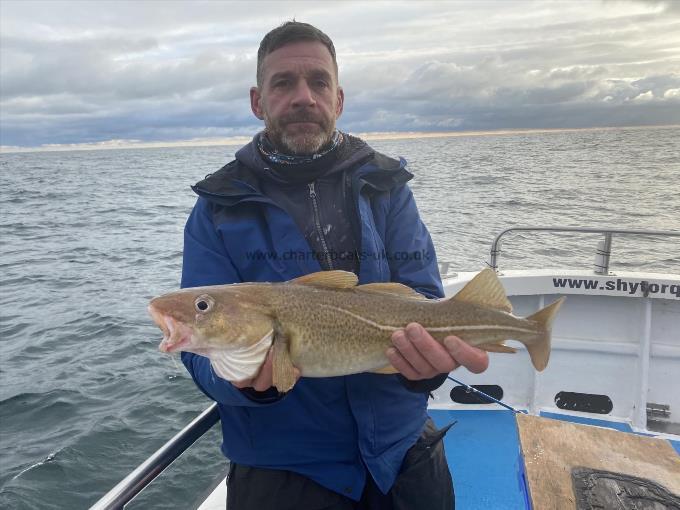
[238, 180]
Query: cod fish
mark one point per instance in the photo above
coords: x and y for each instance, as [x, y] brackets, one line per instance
[326, 325]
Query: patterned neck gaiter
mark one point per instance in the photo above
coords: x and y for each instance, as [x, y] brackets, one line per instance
[270, 154]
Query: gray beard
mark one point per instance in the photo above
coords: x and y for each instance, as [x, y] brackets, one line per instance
[301, 145]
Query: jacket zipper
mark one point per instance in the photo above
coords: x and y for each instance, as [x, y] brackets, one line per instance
[317, 222]
[353, 219]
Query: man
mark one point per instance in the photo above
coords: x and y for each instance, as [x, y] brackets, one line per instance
[304, 197]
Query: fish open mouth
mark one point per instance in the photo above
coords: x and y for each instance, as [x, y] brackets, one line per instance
[175, 334]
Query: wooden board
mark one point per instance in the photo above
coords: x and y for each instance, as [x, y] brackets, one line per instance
[552, 448]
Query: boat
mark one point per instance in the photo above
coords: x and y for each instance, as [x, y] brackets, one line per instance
[601, 421]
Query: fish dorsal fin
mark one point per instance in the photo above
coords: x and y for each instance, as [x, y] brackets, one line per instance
[328, 279]
[485, 289]
[391, 288]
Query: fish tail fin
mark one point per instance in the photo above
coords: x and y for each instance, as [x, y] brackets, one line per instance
[539, 346]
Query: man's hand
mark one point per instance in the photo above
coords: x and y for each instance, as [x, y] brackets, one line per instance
[263, 380]
[419, 356]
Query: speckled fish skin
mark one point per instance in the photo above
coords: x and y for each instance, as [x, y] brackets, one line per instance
[335, 332]
[332, 327]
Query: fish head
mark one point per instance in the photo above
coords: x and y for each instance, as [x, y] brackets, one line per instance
[205, 319]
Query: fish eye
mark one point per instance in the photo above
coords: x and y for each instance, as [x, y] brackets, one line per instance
[203, 304]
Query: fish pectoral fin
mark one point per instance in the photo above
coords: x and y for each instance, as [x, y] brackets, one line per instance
[389, 369]
[283, 371]
[328, 279]
[497, 348]
[485, 289]
[391, 288]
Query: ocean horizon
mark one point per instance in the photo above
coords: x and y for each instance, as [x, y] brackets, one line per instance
[243, 139]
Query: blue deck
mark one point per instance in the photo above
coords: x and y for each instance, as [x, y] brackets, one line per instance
[496, 477]
[485, 460]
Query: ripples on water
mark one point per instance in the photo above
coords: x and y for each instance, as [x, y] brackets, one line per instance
[88, 237]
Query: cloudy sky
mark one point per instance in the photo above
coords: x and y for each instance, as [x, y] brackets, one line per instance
[94, 71]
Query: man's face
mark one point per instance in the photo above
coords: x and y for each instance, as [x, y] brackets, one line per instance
[299, 98]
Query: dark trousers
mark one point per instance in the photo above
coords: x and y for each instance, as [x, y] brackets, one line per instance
[424, 482]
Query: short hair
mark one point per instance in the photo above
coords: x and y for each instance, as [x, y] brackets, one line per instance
[290, 32]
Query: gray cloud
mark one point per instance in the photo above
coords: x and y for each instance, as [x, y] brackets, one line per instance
[85, 72]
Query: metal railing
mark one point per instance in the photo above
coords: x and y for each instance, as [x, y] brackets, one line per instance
[604, 248]
[148, 470]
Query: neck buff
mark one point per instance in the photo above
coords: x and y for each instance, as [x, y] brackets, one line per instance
[269, 153]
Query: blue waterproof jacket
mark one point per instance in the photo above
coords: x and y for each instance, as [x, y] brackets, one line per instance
[328, 429]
